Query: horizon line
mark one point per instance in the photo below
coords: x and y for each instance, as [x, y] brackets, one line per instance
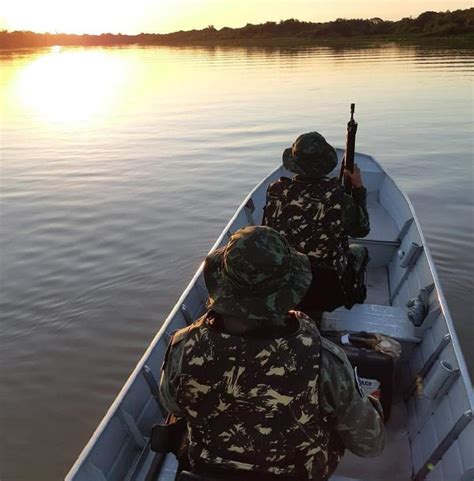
[4, 30]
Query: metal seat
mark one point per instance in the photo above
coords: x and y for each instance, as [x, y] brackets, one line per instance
[388, 320]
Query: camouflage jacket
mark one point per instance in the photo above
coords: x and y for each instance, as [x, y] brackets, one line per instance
[316, 217]
[325, 406]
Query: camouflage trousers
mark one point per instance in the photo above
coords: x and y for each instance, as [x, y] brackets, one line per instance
[359, 255]
[329, 291]
[355, 275]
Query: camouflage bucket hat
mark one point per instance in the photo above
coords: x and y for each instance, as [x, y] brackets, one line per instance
[310, 156]
[256, 276]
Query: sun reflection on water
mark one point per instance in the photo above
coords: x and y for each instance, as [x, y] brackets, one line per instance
[72, 87]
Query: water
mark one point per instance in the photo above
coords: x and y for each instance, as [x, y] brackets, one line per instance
[121, 166]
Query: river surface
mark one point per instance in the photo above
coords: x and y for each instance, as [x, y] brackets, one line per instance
[121, 166]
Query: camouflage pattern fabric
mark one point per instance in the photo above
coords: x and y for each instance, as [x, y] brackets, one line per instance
[253, 404]
[355, 216]
[310, 156]
[354, 278]
[309, 215]
[359, 255]
[256, 276]
[358, 422]
[353, 419]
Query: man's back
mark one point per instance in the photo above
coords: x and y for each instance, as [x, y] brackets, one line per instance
[252, 403]
[309, 214]
[316, 216]
[285, 405]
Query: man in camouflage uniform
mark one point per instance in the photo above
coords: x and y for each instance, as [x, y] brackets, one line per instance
[265, 396]
[316, 216]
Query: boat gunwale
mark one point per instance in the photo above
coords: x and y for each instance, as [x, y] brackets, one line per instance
[86, 451]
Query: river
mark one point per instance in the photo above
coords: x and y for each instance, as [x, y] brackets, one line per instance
[121, 166]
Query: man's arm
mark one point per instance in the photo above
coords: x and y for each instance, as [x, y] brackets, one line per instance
[358, 423]
[170, 376]
[355, 216]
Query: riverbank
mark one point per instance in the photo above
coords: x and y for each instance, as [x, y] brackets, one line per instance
[457, 41]
[430, 28]
[453, 41]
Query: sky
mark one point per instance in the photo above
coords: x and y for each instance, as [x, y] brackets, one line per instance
[161, 16]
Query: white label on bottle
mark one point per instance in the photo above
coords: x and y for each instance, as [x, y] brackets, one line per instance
[370, 386]
[345, 339]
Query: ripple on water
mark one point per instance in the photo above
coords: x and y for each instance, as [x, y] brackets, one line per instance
[104, 221]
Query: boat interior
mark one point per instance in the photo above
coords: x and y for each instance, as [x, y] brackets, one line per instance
[429, 434]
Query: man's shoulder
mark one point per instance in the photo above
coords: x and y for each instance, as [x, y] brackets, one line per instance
[281, 183]
[334, 181]
[177, 344]
[323, 186]
[306, 323]
[333, 351]
[181, 334]
[334, 184]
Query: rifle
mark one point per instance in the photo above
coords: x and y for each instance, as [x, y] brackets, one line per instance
[348, 159]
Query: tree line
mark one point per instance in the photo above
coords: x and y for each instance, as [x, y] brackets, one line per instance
[428, 24]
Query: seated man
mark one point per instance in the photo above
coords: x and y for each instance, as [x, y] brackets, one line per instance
[265, 397]
[316, 216]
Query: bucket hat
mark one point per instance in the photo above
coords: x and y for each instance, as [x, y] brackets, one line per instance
[310, 156]
[256, 276]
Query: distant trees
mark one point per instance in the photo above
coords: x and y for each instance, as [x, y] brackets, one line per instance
[438, 23]
[427, 24]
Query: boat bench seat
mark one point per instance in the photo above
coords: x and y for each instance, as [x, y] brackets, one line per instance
[387, 320]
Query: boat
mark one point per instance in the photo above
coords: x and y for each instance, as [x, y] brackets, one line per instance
[430, 434]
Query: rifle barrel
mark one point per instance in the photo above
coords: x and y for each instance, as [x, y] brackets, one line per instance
[350, 149]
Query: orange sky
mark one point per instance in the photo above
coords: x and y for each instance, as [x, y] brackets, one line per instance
[160, 16]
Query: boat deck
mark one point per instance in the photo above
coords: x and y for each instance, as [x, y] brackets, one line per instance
[394, 462]
[382, 225]
[378, 291]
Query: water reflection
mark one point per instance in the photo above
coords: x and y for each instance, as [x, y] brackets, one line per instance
[77, 87]
[69, 87]
[120, 166]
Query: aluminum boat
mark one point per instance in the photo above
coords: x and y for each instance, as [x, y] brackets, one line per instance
[430, 434]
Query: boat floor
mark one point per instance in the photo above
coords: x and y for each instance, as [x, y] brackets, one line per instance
[382, 225]
[377, 286]
[394, 463]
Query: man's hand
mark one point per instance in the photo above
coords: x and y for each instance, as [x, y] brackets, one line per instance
[354, 177]
[376, 404]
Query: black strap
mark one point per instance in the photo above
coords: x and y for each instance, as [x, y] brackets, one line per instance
[168, 438]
